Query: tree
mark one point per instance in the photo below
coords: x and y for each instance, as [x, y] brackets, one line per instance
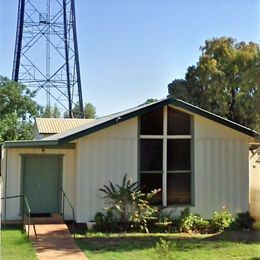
[225, 81]
[17, 110]
[149, 101]
[50, 112]
[89, 111]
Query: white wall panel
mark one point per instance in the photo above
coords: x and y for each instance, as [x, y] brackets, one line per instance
[221, 175]
[13, 177]
[104, 156]
[255, 183]
[221, 168]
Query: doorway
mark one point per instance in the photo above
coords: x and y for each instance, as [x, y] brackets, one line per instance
[42, 182]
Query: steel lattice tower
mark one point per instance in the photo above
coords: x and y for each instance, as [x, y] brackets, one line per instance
[46, 56]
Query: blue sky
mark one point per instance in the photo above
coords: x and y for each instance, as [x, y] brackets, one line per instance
[130, 50]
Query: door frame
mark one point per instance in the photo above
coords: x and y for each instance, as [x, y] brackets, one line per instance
[23, 158]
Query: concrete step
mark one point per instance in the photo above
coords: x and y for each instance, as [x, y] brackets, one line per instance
[55, 218]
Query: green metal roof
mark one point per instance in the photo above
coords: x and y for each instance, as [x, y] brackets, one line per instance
[101, 123]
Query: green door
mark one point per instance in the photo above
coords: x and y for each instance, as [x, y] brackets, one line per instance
[41, 182]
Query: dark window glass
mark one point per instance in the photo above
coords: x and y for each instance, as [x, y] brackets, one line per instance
[178, 122]
[178, 188]
[178, 154]
[151, 154]
[152, 123]
[149, 182]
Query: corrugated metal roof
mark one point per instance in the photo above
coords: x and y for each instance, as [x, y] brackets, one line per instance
[58, 125]
[105, 121]
[101, 123]
[109, 120]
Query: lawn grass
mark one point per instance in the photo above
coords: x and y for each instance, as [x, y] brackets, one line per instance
[182, 246]
[99, 246]
[15, 245]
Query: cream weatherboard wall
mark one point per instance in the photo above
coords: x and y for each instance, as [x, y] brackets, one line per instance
[102, 157]
[255, 183]
[221, 168]
[12, 179]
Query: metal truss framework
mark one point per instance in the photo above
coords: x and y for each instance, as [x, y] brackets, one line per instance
[46, 56]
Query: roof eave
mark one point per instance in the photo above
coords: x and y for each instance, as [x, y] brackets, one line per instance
[214, 117]
[115, 121]
[170, 100]
[33, 143]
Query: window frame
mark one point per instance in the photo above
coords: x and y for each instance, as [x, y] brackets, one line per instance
[164, 138]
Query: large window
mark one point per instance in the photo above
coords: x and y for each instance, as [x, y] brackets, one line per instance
[165, 156]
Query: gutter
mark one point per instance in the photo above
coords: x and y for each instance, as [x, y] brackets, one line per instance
[34, 143]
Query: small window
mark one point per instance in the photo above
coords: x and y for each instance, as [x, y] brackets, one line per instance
[151, 154]
[149, 182]
[178, 122]
[152, 123]
[179, 188]
[178, 154]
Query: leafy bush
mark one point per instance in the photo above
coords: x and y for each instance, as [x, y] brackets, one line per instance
[188, 222]
[128, 209]
[221, 220]
[99, 219]
[127, 206]
[184, 222]
[106, 223]
[164, 249]
[200, 225]
[163, 222]
[243, 221]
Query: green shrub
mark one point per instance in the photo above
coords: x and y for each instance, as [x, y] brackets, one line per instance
[128, 207]
[200, 225]
[106, 223]
[163, 222]
[99, 219]
[165, 249]
[185, 221]
[188, 222]
[221, 220]
[243, 221]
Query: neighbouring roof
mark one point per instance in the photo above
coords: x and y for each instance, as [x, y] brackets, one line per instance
[57, 125]
[101, 123]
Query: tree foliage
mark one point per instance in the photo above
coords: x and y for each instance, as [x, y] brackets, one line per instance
[50, 112]
[224, 81]
[149, 101]
[89, 111]
[17, 110]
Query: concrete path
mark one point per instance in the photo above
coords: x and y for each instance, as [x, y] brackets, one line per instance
[54, 241]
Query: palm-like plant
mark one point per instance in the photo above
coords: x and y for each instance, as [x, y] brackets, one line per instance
[119, 197]
[127, 203]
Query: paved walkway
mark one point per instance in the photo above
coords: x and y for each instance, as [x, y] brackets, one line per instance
[54, 241]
